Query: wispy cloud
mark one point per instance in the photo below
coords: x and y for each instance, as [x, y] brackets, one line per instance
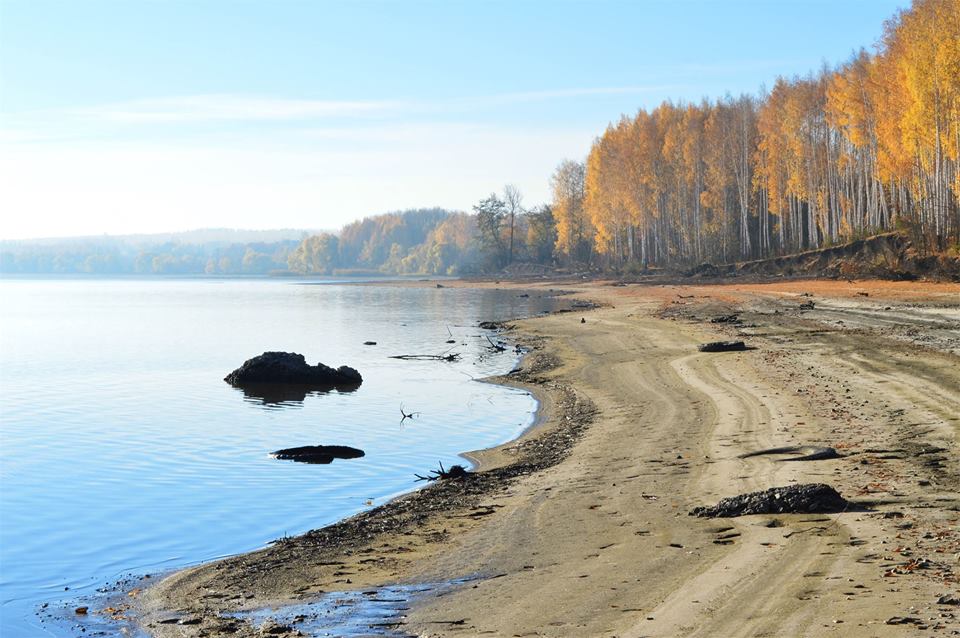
[563, 94]
[240, 108]
[284, 178]
[217, 107]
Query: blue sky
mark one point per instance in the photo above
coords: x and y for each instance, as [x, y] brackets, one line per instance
[135, 116]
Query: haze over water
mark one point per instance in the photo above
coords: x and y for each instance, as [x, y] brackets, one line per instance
[124, 452]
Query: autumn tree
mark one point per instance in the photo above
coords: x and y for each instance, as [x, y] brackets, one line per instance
[574, 231]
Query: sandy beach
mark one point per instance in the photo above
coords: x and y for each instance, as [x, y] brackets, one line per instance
[581, 527]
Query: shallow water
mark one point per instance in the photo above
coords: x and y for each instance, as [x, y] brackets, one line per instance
[122, 451]
[379, 613]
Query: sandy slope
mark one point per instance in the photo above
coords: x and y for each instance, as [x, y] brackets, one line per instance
[601, 544]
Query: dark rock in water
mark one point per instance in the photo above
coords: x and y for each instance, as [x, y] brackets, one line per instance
[369, 343]
[490, 325]
[292, 368]
[722, 346]
[318, 453]
[806, 498]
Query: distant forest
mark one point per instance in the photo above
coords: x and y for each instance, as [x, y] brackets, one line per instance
[211, 251]
[434, 241]
[424, 241]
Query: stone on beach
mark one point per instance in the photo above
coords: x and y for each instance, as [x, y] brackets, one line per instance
[722, 346]
[805, 498]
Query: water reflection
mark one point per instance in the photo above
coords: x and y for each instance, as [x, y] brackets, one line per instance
[287, 394]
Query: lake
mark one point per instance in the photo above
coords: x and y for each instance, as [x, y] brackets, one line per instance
[123, 451]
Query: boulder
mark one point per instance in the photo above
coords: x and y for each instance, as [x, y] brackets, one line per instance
[291, 368]
[805, 498]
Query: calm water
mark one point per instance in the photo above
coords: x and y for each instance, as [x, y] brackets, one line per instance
[122, 451]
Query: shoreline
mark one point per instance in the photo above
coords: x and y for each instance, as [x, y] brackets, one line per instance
[664, 426]
[497, 465]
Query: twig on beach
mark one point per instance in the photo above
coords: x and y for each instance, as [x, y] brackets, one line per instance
[455, 472]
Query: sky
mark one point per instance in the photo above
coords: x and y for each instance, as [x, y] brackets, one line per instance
[130, 116]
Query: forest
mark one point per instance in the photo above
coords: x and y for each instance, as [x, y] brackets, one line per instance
[842, 153]
[869, 146]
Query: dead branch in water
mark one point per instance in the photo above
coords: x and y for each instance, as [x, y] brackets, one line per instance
[453, 356]
[407, 415]
[496, 346]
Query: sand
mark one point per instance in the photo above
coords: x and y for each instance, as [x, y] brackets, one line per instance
[582, 526]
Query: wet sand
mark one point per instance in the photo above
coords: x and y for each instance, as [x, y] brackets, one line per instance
[581, 527]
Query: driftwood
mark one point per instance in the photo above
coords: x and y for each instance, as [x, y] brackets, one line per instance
[455, 472]
[453, 356]
[807, 452]
[722, 346]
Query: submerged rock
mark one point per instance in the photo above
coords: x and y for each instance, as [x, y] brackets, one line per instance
[318, 453]
[806, 498]
[291, 368]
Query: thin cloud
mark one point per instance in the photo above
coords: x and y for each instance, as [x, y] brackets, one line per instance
[208, 108]
[238, 108]
[533, 96]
